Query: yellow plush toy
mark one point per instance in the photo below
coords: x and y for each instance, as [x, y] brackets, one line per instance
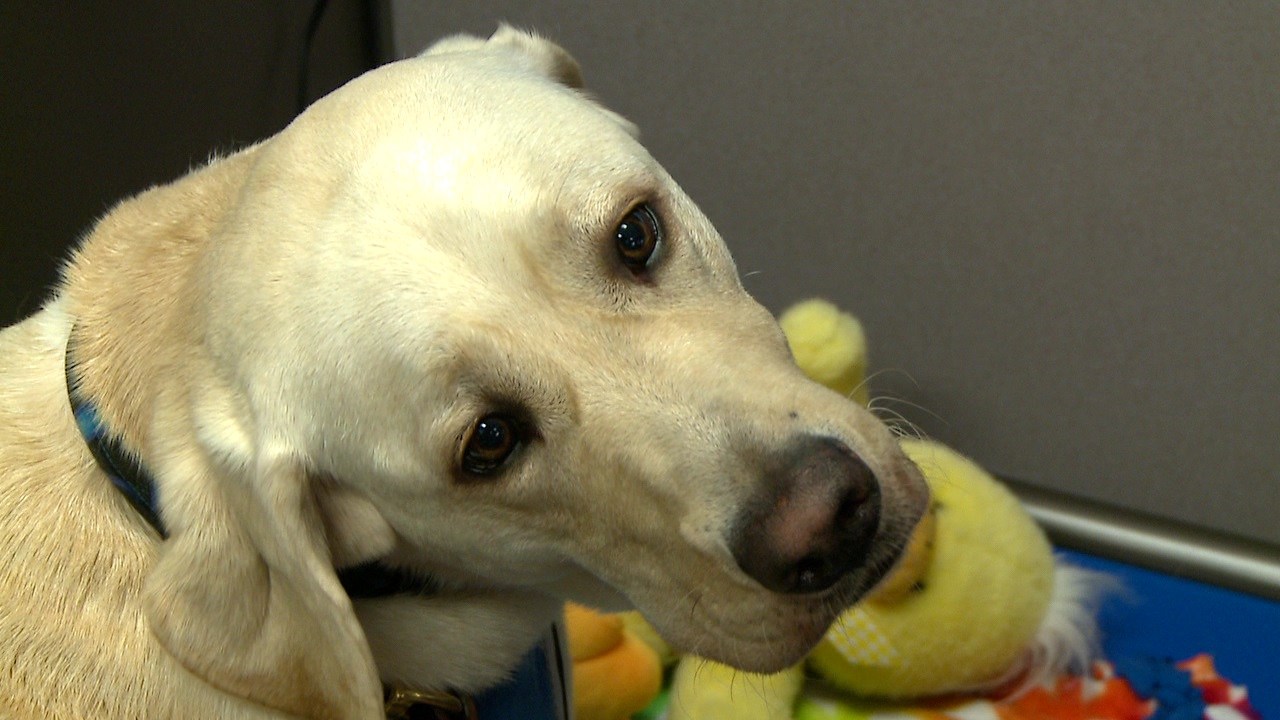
[977, 602]
[829, 346]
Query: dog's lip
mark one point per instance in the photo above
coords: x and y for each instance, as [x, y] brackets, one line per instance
[803, 615]
[916, 491]
[803, 625]
[807, 618]
[767, 648]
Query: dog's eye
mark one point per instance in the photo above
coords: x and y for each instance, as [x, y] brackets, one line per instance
[638, 238]
[493, 439]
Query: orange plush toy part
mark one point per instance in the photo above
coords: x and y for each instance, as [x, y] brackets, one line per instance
[615, 674]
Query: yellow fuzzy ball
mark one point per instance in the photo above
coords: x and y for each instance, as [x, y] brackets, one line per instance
[829, 345]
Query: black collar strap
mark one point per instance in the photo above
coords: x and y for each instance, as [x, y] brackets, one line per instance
[370, 580]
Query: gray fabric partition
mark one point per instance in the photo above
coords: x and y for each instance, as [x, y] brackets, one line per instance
[1059, 222]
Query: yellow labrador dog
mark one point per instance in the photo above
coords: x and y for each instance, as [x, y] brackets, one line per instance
[454, 323]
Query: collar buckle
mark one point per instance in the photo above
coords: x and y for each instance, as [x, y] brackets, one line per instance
[405, 704]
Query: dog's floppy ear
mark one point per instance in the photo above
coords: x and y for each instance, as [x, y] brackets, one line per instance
[535, 51]
[246, 597]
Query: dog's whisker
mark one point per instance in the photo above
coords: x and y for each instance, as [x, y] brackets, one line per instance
[911, 380]
[897, 422]
[866, 382]
[693, 606]
[893, 399]
[888, 415]
[887, 398]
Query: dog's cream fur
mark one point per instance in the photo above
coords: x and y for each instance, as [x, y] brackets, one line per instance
[295, 339]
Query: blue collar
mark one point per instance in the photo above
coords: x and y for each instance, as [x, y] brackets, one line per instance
[120, 465]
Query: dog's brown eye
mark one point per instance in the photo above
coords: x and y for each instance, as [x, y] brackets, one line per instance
[638, 238]
[493, 439]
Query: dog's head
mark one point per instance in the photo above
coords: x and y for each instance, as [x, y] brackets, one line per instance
[461, 321]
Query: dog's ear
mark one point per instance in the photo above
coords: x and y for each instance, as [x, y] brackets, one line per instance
[245, 595]
[534, 52]
[547, 57]
[537, 52]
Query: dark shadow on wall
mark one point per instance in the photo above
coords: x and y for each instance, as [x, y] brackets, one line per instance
[103, 99]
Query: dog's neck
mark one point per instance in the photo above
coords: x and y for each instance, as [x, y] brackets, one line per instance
[131, 295]
[125, 287]
[130, 477]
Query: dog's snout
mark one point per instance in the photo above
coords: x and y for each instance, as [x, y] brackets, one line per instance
[814, 520]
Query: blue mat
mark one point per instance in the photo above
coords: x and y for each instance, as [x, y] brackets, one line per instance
[1164, 616]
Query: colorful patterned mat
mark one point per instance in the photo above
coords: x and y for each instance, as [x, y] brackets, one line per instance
[1135, 689]
[1155, 635]
[1146, 689]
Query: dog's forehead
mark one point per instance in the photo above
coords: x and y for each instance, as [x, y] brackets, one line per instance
[467, 136]
[441, 117]
[471, 141]
[461, 177]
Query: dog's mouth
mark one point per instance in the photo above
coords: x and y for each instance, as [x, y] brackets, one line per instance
[758, 628]
[775, 638]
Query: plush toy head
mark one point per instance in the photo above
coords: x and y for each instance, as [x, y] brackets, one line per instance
[968, 612]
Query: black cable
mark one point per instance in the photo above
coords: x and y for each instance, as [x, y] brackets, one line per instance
[376, 17]
[304, 63]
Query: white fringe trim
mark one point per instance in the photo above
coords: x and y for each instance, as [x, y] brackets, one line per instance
[1068, 640]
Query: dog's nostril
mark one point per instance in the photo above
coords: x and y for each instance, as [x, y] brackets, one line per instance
[811, 574]
[854, 497]
[853, 504]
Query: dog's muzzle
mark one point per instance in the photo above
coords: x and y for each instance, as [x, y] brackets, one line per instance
[813, 521]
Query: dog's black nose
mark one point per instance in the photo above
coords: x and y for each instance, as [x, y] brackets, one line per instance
[813, 521]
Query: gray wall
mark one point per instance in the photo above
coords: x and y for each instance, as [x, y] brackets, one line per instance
[1060, 222]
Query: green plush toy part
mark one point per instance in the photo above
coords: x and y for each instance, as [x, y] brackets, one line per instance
[976, 603]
